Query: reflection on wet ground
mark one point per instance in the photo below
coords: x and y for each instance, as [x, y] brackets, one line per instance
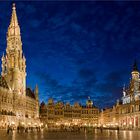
[92, 135]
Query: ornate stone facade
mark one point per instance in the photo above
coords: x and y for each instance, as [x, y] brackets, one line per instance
[65, 114]
[19, 105]
[126, 112]
[130, 109]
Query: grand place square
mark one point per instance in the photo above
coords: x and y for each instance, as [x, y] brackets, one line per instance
[67, 75]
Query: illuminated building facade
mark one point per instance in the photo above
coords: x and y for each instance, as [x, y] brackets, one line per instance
[19, 105]
[126, 113]
[60, 113]
[130, 108]
[109, 117]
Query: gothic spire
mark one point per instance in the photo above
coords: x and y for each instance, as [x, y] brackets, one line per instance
[14, 21]
[13, 28]
[36, 91]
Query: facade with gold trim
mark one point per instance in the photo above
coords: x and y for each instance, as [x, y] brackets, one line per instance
[66, 114]
[19, 105]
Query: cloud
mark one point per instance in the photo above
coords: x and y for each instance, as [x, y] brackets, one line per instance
[77, 91]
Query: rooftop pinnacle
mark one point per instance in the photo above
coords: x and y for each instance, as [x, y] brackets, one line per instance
[14, 27]
[14, 6]
[135, 67]
[14, 21]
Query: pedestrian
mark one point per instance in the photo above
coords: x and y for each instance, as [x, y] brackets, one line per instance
[101, 129]
[118, 129]
[26, 129]
[8, 129]
[18, 129]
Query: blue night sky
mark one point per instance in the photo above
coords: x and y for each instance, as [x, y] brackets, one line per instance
[77, 49]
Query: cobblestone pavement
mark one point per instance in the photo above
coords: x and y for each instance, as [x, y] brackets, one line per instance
[94, 135]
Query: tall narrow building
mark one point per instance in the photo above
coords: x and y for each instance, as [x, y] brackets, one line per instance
[19, 105]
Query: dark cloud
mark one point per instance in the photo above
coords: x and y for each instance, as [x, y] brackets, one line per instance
[86, 73]
[79, 90]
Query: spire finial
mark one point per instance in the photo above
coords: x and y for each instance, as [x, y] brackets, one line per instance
[36, 86]
[36, 91]
[135, 67]
[14, 6]
[13, 28]
[124, 87]
[124, 91]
